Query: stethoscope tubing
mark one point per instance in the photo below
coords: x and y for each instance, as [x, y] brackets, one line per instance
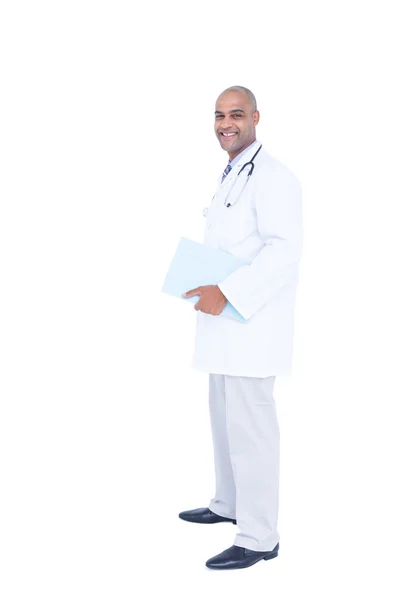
[251, 163]
[250, 172]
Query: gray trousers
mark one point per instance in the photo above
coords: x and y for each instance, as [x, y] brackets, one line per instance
[245, 435]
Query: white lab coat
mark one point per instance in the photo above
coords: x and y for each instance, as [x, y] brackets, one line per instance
[265, 226]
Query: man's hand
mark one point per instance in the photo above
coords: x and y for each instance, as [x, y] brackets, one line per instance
[212, 300]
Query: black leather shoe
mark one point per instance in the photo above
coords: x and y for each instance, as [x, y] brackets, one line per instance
[236, 557]
[203, 515]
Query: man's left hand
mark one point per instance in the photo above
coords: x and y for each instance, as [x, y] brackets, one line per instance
[212, 300]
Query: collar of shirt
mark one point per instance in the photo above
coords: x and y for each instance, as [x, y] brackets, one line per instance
[239, 156]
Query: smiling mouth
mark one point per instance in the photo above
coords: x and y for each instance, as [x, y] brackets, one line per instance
[227, 136]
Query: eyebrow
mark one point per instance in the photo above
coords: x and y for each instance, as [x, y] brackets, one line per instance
[219, 112]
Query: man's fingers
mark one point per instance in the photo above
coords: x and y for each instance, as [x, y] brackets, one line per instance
[197, 305]
[195, 292]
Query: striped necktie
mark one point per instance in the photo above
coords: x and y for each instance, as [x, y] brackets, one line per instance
[226, 171]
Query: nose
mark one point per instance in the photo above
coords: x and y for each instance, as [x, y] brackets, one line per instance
[226, 123]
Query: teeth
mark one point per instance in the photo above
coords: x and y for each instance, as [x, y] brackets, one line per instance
[228, 134]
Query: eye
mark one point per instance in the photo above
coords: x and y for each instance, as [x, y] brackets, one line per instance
[218, 116]
[237, 116]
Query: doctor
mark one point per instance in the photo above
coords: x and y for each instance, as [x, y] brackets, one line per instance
[255, 214]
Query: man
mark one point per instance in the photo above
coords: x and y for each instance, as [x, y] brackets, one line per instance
[255, 214]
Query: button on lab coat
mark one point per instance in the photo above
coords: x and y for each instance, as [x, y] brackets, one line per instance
[264, 226]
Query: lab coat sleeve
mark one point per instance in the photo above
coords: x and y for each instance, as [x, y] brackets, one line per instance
[278, 207]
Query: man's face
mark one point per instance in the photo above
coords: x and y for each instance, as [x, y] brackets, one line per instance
[235, 122]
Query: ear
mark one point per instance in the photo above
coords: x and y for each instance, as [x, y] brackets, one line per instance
[256, 117]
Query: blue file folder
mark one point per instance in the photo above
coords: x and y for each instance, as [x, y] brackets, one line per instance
[195, 264]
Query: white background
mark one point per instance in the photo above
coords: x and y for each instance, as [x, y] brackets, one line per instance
[108, 156]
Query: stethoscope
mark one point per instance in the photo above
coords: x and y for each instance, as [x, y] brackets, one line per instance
[250, 170]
